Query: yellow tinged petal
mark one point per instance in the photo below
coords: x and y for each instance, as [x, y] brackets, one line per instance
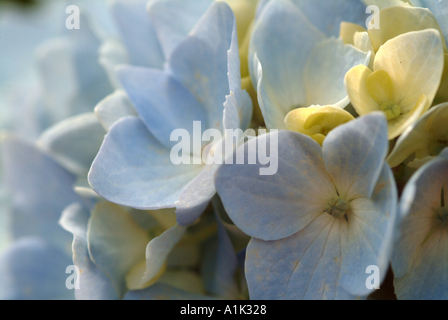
[295, 119]
[399, 20]
[414, 62]
[379, 85]
[244, 11]
[356, 85]
[397, 125]
[328, 118]
[348, 30]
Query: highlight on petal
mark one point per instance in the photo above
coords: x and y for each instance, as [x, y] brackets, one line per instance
[114, 107]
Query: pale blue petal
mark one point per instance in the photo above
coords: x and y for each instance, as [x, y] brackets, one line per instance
[116, 243]
[31, 269]
[162, 102]
[138, 34]
[354, 154]
[93, 283]
[114, 107]
[420, 256]
[328, 15]
[439, 9]
[283, 40]
[174, 19]
[201, 64]
[133, 169]
[372, 229]
[304, 266]
[325, 71]
[272, 207]
[196, 196]
[74, 142]
[40, 189]
[237, 110]
[273, 116]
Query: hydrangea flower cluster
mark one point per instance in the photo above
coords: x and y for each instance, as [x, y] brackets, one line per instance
[224, 149]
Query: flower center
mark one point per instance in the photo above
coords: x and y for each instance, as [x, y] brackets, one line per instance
[438, 146]
[442, 217]
[337, 207]
[391, 109]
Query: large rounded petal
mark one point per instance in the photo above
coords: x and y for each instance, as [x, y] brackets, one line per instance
[74, 142]
[162, 102]
[420, 256]
[414, 61]
[372, 229]
[354, 155]
[282, 203]
[133, 169]
[306, 265]
[325, 71]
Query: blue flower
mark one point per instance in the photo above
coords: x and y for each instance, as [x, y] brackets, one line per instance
[133, 167]
[322, 219]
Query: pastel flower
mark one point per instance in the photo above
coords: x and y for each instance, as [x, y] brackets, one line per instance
[420, 255]
[322, 219]
[405, 78]
[133, 255]
[425, 139]
[201, 82]
[316, 121]
[296, 61]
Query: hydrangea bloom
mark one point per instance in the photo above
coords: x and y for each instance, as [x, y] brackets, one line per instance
[133, 167]
[322, 219]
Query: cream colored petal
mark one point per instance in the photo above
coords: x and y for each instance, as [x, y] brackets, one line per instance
[414, 62]
[418, 137]
[348, 30]
[384, 4]
[295, 120]
[379, 85]
[327, 117]
[356, 85]
[398, 125]
[417, 163]
[399, 20]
